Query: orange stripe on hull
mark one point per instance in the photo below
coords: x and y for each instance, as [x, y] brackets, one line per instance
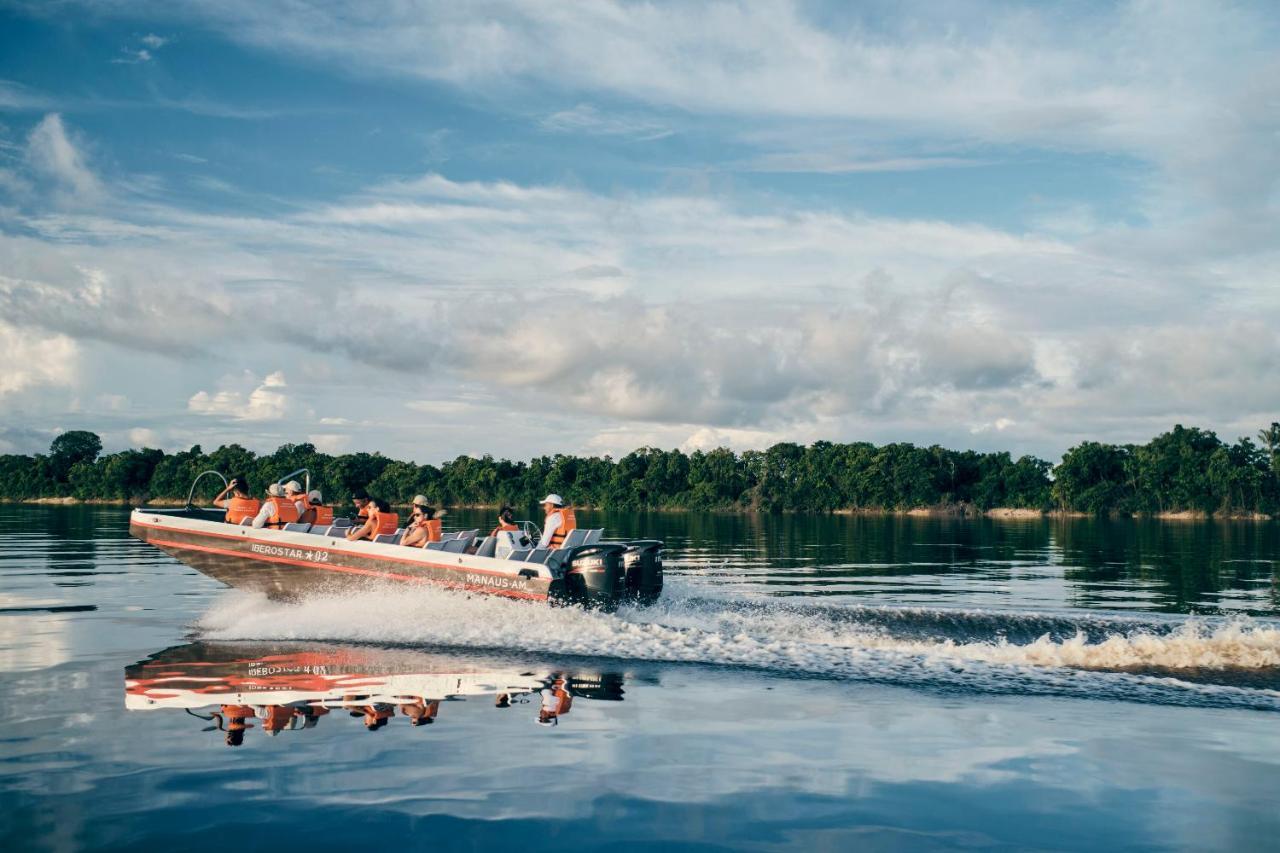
[330, 567]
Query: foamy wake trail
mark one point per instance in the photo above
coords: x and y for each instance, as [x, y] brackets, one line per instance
[1168, 664]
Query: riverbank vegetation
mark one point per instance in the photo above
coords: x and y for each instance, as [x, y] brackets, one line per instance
[1186, 470]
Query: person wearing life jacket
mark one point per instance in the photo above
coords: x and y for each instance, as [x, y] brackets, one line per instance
[317, 513]
[237, 501]
[232, 720]
[506, 521]
[420, 711]
[276, 718]
[378, 519]
[560, 521]
[293, 491]
[424, 524]
[277, 510]
[556, 701]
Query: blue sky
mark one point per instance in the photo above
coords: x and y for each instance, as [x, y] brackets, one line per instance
[436, 228]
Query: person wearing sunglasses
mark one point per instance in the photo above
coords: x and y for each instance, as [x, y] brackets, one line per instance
[424, 524]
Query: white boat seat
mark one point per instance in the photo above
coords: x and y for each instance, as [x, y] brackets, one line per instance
[456, 546]
[448, 537]
[387, 539]
[518, 556]
[341, 522]
[339, 530]
[593, 536]
[575, 537]
[297, 527]
[468, 534]
[436, 546]
[488, 546]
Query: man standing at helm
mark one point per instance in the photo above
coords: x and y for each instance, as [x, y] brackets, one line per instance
[559, 521]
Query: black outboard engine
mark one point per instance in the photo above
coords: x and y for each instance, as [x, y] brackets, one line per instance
[593, 576]
[643, 564]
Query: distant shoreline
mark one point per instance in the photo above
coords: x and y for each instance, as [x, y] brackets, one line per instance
[949, 511]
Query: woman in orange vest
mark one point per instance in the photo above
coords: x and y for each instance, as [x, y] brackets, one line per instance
[379, 519]
[506, 521]
[278, 510]
[424, 524]
[236, 500]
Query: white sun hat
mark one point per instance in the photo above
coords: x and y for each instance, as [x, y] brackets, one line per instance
[552, 498]
[315, 497]
[293, 486]
[275, 491]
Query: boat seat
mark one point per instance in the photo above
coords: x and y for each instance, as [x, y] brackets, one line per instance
[556, 558]
[339, 530]
[387, 539]
[488, 547]
[448, 537]
[575, 537]
[518, 556]
[468, 534]
[456, 546]
[593, 536]
[436, 546]
[538, 555]
[341, 522]
[297, 527]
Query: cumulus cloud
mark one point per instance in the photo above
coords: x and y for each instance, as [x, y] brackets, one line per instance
[267, 401]
[33, 360]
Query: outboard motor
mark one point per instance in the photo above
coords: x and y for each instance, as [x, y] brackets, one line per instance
[593, 575]
[642, 562]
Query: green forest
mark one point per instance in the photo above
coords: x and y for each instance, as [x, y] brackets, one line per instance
[1186, 469]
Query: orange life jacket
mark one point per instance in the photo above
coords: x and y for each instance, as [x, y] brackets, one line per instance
[238, 508]
[567, 523]
[237, 711]
[322, 514]
[383, 522]
[434, 528]
[277, 718]
[283, 511]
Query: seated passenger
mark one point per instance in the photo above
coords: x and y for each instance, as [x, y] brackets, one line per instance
[237, 500]
[317, 513]
[277, 510]
[293, 491]
[424, 525]
[506, 520]
[379, 519]
[560, 520]
[556, 702]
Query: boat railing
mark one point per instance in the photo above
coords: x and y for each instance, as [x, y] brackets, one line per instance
[195, 482]
[306, 479]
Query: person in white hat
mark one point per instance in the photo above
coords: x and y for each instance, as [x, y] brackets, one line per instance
[269, 509]
[555, 526]
[293, 491]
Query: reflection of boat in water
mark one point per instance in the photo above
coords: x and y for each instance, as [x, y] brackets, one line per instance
[289, 686]
[300, 558]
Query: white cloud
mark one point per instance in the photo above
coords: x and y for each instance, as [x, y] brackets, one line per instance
[585, 118]
[34, 360]
[143, 437]
[266, 402]
[154, 41]
[52, 153]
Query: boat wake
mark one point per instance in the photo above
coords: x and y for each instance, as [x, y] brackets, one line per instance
[1188, 661]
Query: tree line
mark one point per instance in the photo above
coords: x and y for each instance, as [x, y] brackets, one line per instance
[1186, 469]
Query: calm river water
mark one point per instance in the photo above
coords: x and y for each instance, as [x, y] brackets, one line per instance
[814, 683]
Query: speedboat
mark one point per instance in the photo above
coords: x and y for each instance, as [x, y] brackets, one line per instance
[301, 559]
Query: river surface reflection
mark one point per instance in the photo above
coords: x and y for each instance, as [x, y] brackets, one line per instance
[806, 683]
